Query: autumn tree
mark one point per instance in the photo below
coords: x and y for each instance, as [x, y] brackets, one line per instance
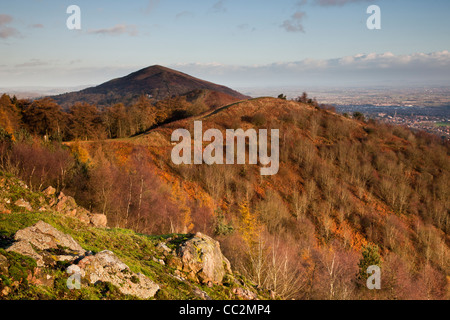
[9, 115]
[249, 226]
[45, 117]
[116, 121]
[142, 115]
[85, 122]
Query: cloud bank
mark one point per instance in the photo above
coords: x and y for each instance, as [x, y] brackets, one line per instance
[360, 69]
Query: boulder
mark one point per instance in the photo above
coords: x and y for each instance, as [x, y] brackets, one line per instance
[46, 244]
[99, 220]
[65, 204]
[105, 266]
[201, 256]
[50, 191]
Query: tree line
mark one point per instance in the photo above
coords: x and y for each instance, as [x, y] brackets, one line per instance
[83, 121]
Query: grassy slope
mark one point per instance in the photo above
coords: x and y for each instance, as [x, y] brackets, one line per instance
[136, 250]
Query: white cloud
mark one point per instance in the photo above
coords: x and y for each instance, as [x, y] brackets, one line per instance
[32, 63]
[373, 68]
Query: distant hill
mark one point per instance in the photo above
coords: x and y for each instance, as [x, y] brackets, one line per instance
[156, 81]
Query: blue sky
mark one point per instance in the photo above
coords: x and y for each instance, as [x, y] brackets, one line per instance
[232, 42]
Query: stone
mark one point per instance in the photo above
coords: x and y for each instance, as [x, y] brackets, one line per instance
[41, 241]
[201, 294]
[99, 220]
[162, 247]
[201, 255]
[244, 294]
[83, 217]
[50, 191]
[65, 203]
[6, 291]
[24, 204]
[105, 266]
[174, 262]
[40, 278]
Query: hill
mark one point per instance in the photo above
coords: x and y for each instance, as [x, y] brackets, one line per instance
[156, 81]
[349, 193]
[44, 248]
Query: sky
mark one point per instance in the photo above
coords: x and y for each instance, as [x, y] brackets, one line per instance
[238, 43]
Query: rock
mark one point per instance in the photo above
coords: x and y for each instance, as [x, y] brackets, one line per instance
[162, 247]
[201, 294]
[4, 264]
[83, 217]
[24, 204]
[50, 191]
[65, 203]
[99, 220]
[39, 278]
[174, 262]
[245, 294]
[201, 255]
[177, 275]
[51, 245]
[6, 291]
[106, 267]
[73, 269]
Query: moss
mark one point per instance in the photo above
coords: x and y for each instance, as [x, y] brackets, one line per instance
[19, 266]
[135, 279]
[134, 249]
[4, 281]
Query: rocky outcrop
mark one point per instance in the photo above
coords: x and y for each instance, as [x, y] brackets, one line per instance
[201, 258]
[47, 201]
[106, 267]
[66, 205]
[46, 245]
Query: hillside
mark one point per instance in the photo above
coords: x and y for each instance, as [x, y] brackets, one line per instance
[156, 81]
[349, 193]
[42, 244]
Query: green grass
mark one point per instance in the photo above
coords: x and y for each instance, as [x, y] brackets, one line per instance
[136, 250]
